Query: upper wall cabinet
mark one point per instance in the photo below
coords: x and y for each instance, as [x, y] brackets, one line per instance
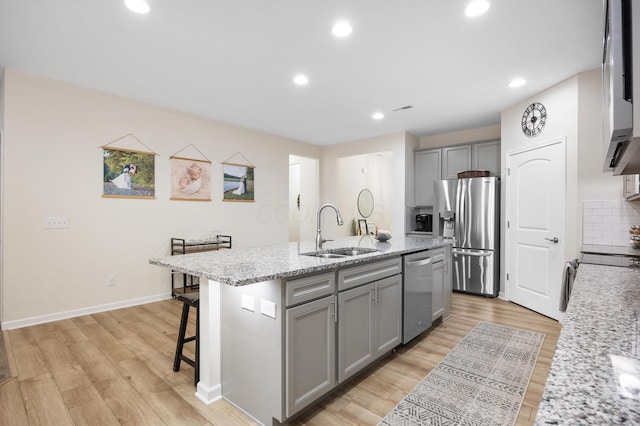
[455, 159]
[445, 163]
[427, 171]
[486, 156]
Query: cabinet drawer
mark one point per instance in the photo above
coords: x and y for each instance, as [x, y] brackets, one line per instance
[309, 288]
[362, 274]
[437, 255]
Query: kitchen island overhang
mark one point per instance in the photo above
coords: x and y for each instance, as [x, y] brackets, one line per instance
[242, 294]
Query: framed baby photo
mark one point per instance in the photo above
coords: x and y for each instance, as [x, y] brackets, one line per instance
[238, 182]
[128, 174]
[190, 179]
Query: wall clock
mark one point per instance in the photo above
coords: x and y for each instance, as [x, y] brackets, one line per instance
[534, 119]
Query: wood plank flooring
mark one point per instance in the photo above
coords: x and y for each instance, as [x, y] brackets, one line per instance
[116, 368]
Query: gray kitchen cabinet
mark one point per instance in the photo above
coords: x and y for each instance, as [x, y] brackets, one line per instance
[370, 295]
[369, 315]
[427, 170]
[486, 156]
[631, 188]
[355, 330]
[369, 324]
[448, 283]
[455, 159]
[388, 314]
[438, 302]
[442, 286]
[431, 165]
[310, 352]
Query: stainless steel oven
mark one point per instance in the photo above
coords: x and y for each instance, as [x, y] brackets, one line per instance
[627, 257]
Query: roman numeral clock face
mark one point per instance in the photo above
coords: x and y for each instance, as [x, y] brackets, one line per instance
[534, 119]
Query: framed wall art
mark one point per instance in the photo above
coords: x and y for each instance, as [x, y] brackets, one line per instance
[371, 228]
[128, 173]
[190, 177]
[238, 181]
[362, 226]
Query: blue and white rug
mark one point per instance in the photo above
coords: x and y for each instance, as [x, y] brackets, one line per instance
[482, 381]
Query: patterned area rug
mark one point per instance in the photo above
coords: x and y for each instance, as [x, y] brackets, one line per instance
[482, 381]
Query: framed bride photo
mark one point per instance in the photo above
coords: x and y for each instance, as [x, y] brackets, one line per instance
[128, 173]
[238, 182]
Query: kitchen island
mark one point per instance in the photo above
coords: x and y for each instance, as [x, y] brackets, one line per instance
[595, 373]
[273, 320]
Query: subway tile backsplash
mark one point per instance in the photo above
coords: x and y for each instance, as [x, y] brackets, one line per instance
[607, 222]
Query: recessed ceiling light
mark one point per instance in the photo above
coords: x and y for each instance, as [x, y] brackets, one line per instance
[137, 6]
[517, 82]
[377, 116]
[341, 29]
[477, 8]
[300, 79]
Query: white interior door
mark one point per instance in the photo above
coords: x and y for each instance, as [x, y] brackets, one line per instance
[294, 202]
[535, 227]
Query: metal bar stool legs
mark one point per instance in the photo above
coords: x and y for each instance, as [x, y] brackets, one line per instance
[188, 300]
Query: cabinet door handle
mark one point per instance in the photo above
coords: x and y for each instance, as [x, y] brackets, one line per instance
[335, 309]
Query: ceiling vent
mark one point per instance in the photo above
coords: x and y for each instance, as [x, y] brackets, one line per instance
[402, 108]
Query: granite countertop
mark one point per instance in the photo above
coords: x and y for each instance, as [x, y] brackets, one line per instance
[242, 266]
[595, 373]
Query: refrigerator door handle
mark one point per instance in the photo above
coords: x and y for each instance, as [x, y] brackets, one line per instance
[473, 253]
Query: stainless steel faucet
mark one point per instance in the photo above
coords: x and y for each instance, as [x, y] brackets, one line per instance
[319, 239]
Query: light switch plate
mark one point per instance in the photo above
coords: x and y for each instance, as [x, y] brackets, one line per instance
[50, 222]
[247, 302]
[268, 308]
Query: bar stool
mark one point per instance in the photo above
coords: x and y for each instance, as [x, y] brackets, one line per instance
[188, 300]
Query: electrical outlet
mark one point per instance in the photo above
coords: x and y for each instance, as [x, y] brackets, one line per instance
[111, 279]
[247, 302]
[55, 222]
[268, 308]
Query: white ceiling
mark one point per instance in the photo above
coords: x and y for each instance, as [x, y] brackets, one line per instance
[234, 60]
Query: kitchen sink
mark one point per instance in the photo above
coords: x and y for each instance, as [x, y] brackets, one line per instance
[340, 252]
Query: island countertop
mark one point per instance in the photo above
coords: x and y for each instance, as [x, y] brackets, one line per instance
[595, 373]
[242, 266]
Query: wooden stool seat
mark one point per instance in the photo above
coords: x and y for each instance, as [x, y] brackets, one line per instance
[188, 300]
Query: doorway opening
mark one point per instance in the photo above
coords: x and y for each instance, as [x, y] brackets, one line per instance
[304, 195]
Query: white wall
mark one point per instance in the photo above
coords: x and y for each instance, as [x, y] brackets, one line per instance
[561, 103]
[397, 143]
[52, 166]
[593, 183]
[372, 171]
[488, 133]
[574, 112]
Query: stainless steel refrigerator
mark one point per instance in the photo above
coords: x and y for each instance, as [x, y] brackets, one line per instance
[468, 211]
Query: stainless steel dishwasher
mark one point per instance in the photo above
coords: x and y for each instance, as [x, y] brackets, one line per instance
[418, 293]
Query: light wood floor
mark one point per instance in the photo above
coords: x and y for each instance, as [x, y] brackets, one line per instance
[116, 368]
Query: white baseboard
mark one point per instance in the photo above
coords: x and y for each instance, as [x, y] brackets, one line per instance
[27, 322]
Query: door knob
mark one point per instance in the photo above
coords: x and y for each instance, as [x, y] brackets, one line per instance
[553, 240]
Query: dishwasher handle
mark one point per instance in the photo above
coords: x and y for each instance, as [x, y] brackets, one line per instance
[420, 262]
